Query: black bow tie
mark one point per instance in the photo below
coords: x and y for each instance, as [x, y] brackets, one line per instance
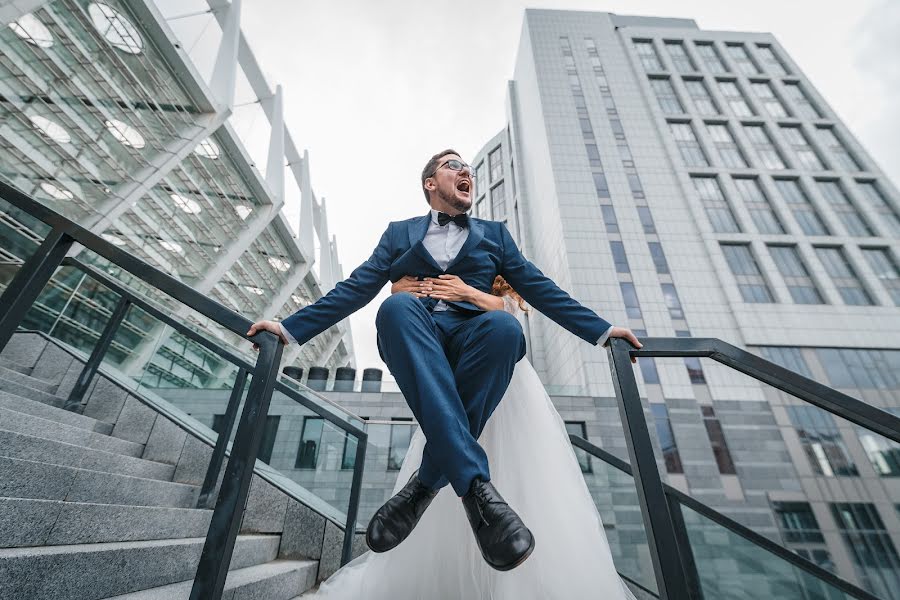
[461, 220]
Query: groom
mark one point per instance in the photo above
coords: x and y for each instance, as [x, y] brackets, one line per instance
[452, 360]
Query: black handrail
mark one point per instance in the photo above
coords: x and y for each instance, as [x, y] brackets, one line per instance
[36, 273]
[674, 570]
[729, 523]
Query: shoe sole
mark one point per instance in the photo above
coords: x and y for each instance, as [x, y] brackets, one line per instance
[515, 564]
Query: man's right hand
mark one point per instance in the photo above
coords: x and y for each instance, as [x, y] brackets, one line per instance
[408, 283]
[626, 334]
[271, 326]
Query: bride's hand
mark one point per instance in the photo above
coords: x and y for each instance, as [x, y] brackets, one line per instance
[627, 334]
[451, 287]
[410, 284]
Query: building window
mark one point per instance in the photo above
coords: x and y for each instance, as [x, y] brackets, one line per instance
[885, 268]
[348, 457]
[672, 301]
[647, 53]
[268, 439]
[798, 523]
[799, 283]
[618, 252]
[401, 435]
[717, 208]
[310, 440]
[861, 369]
[889, 218]
[822, 442]
[839, 152]
[692, 363]
[803, 107]
[601, 186]
[702, 99]
[659, 257]
[679, 56]
[495, 160]
[758, 205]
[710, 57]
[806, 156]
[846, 211]
[498, 201]
[787, 357]
[726, 146]
[773, 106]
[765, 149]
[771, 62]
[666, 438]
[717, 440]
[741, 59]
[804, 211]
[750, 280]
[480, 181]
[734, 98]
[609, 217]
[580, 429]
[688, 146]
[884, 454]
[649, 373]
[870, 545]
[666, 96]
[629, 295]
[646, 219]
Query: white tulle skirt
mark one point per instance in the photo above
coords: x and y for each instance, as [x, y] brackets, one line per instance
[535, 469]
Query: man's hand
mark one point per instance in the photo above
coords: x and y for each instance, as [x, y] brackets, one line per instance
[449, 287]
[272, 326]
[409, 283]
[622, 332]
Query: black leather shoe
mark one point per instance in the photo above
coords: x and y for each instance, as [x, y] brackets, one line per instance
[502, 537]
[396, 519]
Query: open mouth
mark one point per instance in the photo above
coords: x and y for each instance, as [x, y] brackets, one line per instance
[463, 186]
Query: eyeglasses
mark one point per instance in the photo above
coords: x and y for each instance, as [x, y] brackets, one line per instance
[457, 165]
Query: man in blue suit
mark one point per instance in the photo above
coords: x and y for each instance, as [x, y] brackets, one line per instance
[452, 360]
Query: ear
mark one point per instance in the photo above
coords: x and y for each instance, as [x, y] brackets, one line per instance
[430, 185]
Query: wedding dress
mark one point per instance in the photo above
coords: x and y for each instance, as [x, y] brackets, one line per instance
[535, 468]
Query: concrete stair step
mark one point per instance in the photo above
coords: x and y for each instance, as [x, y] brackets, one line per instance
[28, 447]
[39, 409]
[94, 571]
[43, 481]
[11, 420]
[28, 522]
[26, 391]
[14, 366]
[33, 382]
[276, 580]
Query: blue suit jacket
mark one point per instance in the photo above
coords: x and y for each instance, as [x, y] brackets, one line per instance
[488, 251]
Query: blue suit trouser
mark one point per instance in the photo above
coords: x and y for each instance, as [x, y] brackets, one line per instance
[453, 368]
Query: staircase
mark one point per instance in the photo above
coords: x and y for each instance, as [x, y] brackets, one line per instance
[103, 504]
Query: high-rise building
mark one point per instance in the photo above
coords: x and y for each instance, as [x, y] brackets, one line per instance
[692, 183]
[106, 118]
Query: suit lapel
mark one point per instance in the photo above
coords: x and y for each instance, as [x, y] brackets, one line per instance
[476, 234]
[417, 230]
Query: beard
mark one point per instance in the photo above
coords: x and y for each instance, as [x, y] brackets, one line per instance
[457, 203]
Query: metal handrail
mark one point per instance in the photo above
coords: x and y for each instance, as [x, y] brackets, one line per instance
[37, 271]
[670, 550]
[729, 523]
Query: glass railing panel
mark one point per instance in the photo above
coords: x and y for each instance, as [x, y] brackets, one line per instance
[388, 442]
[21, 234]
[730, 566]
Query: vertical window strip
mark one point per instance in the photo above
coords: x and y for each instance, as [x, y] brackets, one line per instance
[843, 275]
[671, 456]
[746, 271]
[763, 91]
[870, 545]
[885, 269]
[679, 56]
[688, 145]
[647, 54]
[672, 301]
[846, 211]
[795, 274]
[768, 154]
[758, 205]
[647, 365]
[717, 441]
[805, 213]
[822, 441]
[839, 152]
[890, 220]
[715, 204]
[700, 96]
[629, 295]
[734, 98]
[692, 363]
[806, 155]
[727, 148]
[710, 57]
[666, 96]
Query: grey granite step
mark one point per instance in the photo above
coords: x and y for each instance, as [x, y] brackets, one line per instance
[27, 447]
[276, 580]
[39, 409]
[28, 522]
[32, 382]
[11, 420]
[39, 480]
[13, 365]
[94, 571]
[26, 391]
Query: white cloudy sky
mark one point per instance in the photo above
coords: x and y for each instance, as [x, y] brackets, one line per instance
[373, 88]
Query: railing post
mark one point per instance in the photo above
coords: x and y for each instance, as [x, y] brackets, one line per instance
[685, 550]
[28, 283]
[218, 455]
[353, 507]
[226, 519]
[76, 396]
[654, 508]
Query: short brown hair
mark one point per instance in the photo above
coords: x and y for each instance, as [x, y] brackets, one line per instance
[431, 166]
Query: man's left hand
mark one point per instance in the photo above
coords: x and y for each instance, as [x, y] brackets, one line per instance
[449, 287]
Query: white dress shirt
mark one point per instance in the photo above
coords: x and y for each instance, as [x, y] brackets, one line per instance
[443, 243]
